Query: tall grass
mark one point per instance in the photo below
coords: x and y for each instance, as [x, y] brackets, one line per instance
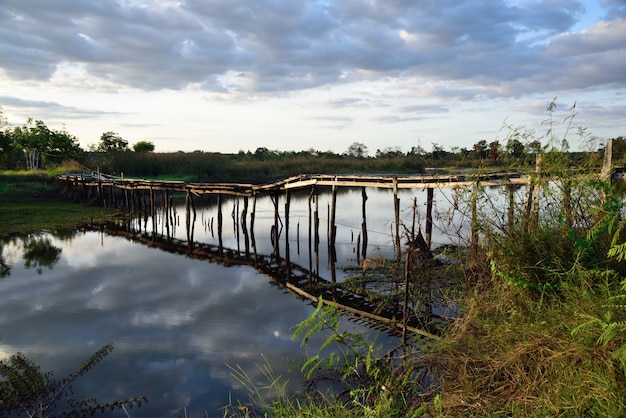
[543, 324]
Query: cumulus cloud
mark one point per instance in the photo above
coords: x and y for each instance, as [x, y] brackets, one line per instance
[257, 46]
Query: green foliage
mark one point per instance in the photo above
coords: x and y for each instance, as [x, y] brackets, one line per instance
[111, 142]
[38, 144]
[24, 388]
[361, 382]
[143, 146]
[611, 322]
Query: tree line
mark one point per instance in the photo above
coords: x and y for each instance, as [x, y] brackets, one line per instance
[34, 146]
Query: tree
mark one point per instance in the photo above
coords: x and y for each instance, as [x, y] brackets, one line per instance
[357, 150]
[32, 140]
[480, 149]
[534, 146]
[143, 146]
[37, 143]
[494, 150]
[6, 141]
[438, 153]
[619, 147]
[515, 148]
[111, 142]
[389, 152]
[64, 144]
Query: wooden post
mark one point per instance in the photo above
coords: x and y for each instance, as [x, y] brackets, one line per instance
[311, 196]
[364, 223]
[287, 256]
[188, 217]
[219, 223]
[396, 206]
[193, 220]
[275, 231]
[332, 227]
[607, 165]
[536, 191]
[244, 227]
[511, 219]
[252, 216]
[317, 233]
[429, 215]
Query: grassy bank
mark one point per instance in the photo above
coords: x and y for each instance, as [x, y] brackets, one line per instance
[32, 202]
[542, 331]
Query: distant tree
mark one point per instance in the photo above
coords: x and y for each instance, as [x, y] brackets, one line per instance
[619, 147]
[515, 148]
[494, 150]
[534, 146]
[262, 153]
[111, 142]
[389, 152]
[438, 152]
[36, 141]
[6, 148]
[6, 140]
[143, 146]
[480, 149]
[63, 144]
[357, 150]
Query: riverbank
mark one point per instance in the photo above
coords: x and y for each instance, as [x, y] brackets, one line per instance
[33, 202]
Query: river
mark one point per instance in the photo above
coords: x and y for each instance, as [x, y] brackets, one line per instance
[179, 324]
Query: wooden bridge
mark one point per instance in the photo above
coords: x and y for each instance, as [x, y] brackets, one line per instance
[305, 181]
[103, 189]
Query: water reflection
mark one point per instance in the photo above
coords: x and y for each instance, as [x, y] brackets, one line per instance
[176, 322]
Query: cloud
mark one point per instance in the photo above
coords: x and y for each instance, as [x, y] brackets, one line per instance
[53, 108]
[264, 46]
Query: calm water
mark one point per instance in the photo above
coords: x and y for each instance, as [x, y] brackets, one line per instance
[178, 323]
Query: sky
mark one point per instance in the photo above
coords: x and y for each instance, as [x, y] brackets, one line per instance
[290, 75]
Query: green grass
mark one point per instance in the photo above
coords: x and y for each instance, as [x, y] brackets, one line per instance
[32, 202]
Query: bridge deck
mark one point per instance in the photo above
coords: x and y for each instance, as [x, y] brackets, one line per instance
[309, 180]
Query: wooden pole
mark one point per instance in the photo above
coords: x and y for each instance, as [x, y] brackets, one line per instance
[287, 256]
[607, 165]
[429, 215]
[396, 206]
[332, 226]
[311, 196]
[536, 191]
[317, 233]
[188, 217]
[219, 224]
[244, 226]
[364, 223]
[252, 216]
